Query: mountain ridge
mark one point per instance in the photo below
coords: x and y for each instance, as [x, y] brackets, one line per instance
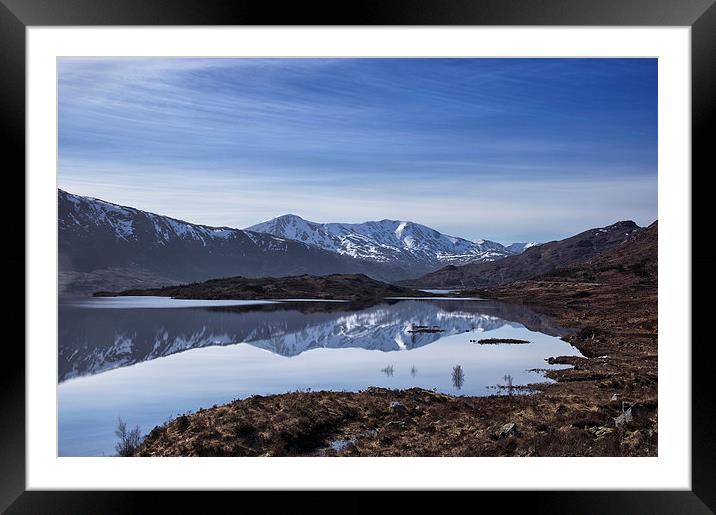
[404, 242]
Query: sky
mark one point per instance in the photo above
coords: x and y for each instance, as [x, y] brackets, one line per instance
[501, 149]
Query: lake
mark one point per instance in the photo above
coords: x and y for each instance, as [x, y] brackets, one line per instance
[148, 359]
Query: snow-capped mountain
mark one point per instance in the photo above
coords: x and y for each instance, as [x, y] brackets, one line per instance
[519, 248]
[95, 236]
[386, 241]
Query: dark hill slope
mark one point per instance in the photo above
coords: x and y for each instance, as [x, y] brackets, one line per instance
[633, 262]
[534, 262]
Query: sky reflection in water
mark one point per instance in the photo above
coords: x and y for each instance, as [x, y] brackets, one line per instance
[147, 364]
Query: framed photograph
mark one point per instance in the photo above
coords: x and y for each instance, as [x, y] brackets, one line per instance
[417, 247]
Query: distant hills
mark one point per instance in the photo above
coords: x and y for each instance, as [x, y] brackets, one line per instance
[112, 247]
[535, 261]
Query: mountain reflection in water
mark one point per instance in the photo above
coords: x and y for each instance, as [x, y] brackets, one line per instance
[96, 340]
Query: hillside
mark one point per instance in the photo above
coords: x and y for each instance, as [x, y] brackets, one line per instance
[633, 262]
[535, 261]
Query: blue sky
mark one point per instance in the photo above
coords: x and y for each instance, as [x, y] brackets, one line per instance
[501, 149]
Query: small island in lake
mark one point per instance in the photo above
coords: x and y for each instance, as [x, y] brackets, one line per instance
[352, 287]
[497, 341]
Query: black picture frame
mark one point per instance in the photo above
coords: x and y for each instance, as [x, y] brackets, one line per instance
[17, 15]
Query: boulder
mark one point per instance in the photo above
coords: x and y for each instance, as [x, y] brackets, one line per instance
[397, 407]
[628, 415]
[507, 430]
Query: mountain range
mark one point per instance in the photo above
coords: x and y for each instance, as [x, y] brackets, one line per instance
[95, 236]
[107, 246]
[104, 246]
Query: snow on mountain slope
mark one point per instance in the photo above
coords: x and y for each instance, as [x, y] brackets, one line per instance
[385, 241]
[130, 224]
[519, 248]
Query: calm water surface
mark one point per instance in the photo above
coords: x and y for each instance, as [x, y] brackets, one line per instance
[147, 359]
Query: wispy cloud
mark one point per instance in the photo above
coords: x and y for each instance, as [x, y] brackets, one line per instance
[478, 148]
